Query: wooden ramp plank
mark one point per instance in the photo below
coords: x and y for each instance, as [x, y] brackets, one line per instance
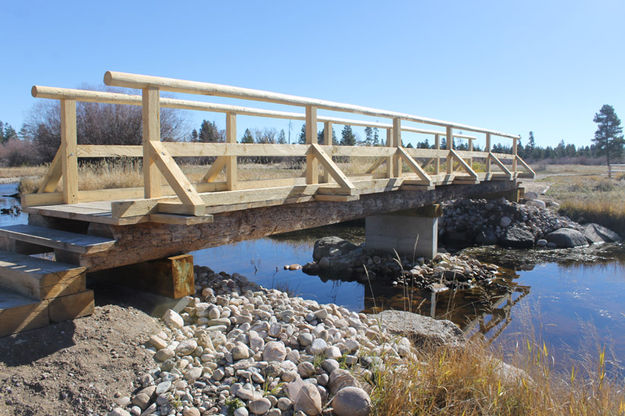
[39, 278]
[48, 237]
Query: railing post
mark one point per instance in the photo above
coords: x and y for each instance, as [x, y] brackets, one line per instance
[470, 150]
[231, 161]
[151, 133]
[327, 141]
[514, 153]
[389, 163]
[450, 146]
[69, 162]
[487, 150]
[312, 165]
[437, 144]
[397, 162]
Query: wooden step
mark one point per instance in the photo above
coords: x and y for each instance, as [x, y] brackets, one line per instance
[48, 237]
[38, 278]
[20, 313]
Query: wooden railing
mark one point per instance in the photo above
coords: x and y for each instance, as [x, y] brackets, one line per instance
[194, 199]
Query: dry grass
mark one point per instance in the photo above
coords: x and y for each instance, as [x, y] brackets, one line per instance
[589, 197]
[470, 381]
[22, 171]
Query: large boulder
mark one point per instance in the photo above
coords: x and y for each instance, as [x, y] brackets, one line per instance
[517, 237]
[331, 247]
[596, 233]
[421, 330]
[351, 401]
[567, 238]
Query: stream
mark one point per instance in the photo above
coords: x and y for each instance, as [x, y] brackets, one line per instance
[576, 308]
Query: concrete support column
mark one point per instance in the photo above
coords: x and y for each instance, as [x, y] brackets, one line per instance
[410, 233]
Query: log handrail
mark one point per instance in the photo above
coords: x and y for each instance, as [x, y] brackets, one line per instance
[158, 156]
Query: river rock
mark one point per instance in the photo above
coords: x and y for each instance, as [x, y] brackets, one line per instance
[421, 330]
[259, 406]
[186, 347]
[536, 203]
[566, 238]
[274, 351]
[517, 237]
[341, 378]
[596, 233]
[118, 411]
[351, 401]
[318, 347]
[240, 351]
[308, 400]
[332, 246]
[172, 319]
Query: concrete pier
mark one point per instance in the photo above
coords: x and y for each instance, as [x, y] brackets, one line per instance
[410, 233]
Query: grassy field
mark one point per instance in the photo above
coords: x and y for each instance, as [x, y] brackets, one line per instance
[586, 194]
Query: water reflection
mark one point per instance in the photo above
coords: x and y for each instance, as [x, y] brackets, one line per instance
[10, 210]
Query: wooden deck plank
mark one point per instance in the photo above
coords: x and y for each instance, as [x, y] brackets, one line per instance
[48, 237]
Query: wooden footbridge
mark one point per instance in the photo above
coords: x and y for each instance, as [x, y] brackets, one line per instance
[93, 230]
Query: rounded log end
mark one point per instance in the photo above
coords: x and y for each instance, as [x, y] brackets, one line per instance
[108, 77]
[33, 91]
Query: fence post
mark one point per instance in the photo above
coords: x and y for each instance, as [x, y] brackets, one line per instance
[151, 133]
[487, 150]
[514, 153]
[69, 162]
[312, 165]
[470, 150]
[437, 144]
[327, 141]
[450, 146]
[396, 142]
[231, 161]
[389, 162]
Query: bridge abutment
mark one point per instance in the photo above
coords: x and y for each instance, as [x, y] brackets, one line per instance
[411, 232]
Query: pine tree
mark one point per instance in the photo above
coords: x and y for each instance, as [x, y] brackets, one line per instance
[609, 134]
[376, 136]
[209, 133]
[368, 136]
[247, 137]
[282, 137]
[348, 138]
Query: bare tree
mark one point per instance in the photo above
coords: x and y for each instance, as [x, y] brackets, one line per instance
[96, 123]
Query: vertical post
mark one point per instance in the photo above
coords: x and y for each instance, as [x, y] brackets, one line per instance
[470, 150]
[396, 142]
[327, 141]
[450, 146]
[151, 115]
[487, 150]
[312, 166]
[514, 153]
[69, 162]
[437, 144]
[231, 161]
[389, 162]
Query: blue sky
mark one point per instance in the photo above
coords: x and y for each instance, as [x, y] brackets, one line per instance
[545, 66]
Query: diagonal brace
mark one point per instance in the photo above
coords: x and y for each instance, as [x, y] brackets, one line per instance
[53, 175]
[500, 164]
[218, 165]
[317, 152]
[414, 166]
[464, 164]
[174, 175]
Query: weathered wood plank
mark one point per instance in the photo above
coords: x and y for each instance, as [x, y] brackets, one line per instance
[71, 307]
[69, 158]
[151, 117]
[48, 237]
[19, 313]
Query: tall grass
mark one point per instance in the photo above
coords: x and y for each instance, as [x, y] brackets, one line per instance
[470, 380]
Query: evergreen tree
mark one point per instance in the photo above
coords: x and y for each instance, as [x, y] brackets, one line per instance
[247, 137]
[282, 137]
[348, 138]
[376, 136]
[194, 136]
[209, 133]
[322, 134]
[609, 134]
[368, 136]
[7, 132]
